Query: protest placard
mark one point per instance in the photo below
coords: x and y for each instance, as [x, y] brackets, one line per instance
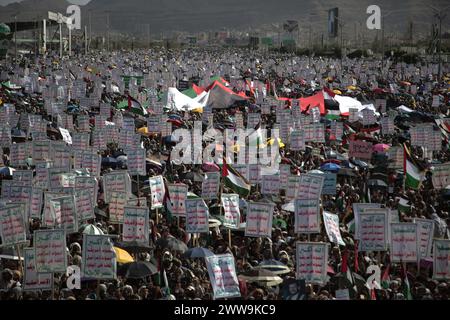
[222, 275]
[395, 156]
[136, 224]
[331, 222]
[357, 209]
[259, 219]
[425, 233]
[310, 186]
[360, 149]
[99, 258]
[404, 242]
[33, 281]
[84, 205]
[232, 215]
[387, 125]
[270, 185]
[177, 199]
[297, 140]
[87, 183]
[157, 190]
[441, 175]
[197, 215]
[307, 216]
[210, 185]
[13, 226]
[117, 203]
[441, 259]
[312, 262]
[50, 251]
[24, 176]
[64, 214]
[117, 181]
[136, 162]
[372, 231]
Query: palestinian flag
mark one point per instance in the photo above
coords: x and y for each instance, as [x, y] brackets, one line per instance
[404, 205]
[234, 180]
[405, 285]
[413, 175]
[135, 107]
[385, 278]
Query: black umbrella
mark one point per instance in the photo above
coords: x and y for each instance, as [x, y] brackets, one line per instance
[134, 247]
[172, 243]
[139, 269]
[198, 252]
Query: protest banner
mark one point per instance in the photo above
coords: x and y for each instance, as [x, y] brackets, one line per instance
[312, 262]
[80, 140]
[33, 281]
[425, 233]
[387, 126]
[336, 130]
[372, 231]
[441, 175]
[116, 181]
[232, 215]
[66, 135]
[314, 133]
[158, 192]
[360, 149]
[357, 209]
[331, 222]
[259, 219]
[310, 186]
[41, 150]
[117, 203]
[441, 259]
[64, 214]
[84, 205]
[307, 216]
[254, 173]
[136, 225]
[222, 275]
[285, 172]
[87, 183]
[270, 185]
[197, 216]
[13, 226]
[50, 251]
[91, 161]
[24, 176]
[177, 199]
[404, 242]
[210, 185]
[293, 187]
[99, 258]
[36, 202]
[136, 162]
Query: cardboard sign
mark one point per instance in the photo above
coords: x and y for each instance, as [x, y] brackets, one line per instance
[331, 222]
[425, 233]
[210, 185]
[177, 199]
[50, 251]
[259, 219]
[307, 216]
[13, 229]
[441, 175]
[232, 215]
[270, 184]
[404, 242]
[441, 259]
[310, 186]
[118, 181]
[197, 216]
[33, 281]
[136, 162]
[312, 262]
[373, 231]
[360, 149]
[117, 203]
[222, 275]
[158, 191]
[136, 225]
[99, 257]
[63, 214]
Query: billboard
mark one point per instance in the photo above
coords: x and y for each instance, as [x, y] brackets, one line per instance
[333, 16]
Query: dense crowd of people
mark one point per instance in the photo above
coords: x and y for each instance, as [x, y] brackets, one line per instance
[278, 76]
